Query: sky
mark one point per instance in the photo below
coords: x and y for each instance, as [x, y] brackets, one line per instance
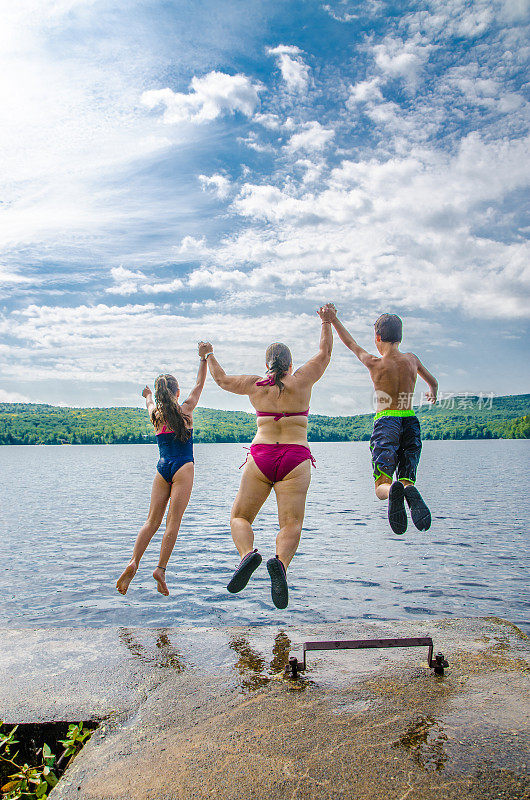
[176, 171]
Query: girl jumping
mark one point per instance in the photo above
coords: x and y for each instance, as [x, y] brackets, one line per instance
[173, 481]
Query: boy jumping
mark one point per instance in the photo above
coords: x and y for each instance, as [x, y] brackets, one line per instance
[396, 439]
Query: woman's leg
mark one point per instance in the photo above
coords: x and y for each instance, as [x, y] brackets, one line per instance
[159, 497]
[253, 491]
[180, 495]
[291, 493]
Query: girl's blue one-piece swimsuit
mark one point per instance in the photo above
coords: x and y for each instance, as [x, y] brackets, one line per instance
[173, 453]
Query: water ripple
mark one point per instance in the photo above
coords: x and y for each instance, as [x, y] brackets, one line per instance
[69, 521]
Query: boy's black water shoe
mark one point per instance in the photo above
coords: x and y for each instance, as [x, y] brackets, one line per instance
[397, 516]
[421, 516]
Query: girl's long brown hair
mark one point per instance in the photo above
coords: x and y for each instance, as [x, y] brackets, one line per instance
[168, 412]
[278, 359]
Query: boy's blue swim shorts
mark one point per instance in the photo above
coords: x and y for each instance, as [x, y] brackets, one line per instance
[396, 445]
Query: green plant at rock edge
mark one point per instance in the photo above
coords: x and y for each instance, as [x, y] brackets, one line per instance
[74, 741]
[26, 782]
[34, 782]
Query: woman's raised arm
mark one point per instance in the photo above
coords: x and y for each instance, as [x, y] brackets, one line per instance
[313, 369]
[237, 384]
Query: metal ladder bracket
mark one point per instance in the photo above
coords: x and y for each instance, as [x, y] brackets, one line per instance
[438, 663]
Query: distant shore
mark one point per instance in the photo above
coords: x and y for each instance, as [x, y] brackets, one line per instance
[456, 417]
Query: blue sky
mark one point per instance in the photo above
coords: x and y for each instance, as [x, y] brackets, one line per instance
[172, 171]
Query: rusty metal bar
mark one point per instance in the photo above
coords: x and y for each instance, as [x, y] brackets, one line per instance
[437, 663]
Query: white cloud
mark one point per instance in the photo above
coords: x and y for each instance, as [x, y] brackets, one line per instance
[402, 59]
[400, 230]
[485, 92]
[211, 96]
[313, 136]
[219, 184]
[460, 18]
[295, 72]
[192, 247]
[312, 170]
[159, 288]
[514, 10]
[271, 121]
[253, 142]
[12, 397]
[128, 282]
[345, 16]
[9, 276]
[363, 92]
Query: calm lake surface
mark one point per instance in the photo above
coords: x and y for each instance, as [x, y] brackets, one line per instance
[70, 516]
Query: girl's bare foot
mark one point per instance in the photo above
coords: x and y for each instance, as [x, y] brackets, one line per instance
[160, 577]
[126, 577]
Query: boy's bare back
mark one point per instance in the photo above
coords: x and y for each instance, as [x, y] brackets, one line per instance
[394, 378]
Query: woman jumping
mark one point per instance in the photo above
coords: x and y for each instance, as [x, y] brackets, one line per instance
[173, 424]
[279, 455]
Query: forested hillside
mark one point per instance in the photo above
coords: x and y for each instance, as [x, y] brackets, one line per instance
[461, 418]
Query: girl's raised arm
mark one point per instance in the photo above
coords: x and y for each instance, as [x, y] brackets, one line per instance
[194, 395]
[149, 399]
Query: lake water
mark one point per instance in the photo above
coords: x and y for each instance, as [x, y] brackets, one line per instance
[69, 517]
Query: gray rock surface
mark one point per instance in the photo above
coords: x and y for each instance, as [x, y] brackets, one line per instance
[206, 713]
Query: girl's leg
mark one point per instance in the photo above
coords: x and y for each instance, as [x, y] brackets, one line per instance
[159, 497]
[291, 495]
[180, 495]
[253, 491]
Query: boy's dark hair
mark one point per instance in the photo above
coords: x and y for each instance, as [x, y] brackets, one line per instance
[389, 327]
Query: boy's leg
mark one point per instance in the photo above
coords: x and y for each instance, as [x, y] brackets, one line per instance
[382, 487]
[409, 456]
[384, 445]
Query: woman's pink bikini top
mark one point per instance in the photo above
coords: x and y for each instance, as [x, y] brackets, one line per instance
[277, 414]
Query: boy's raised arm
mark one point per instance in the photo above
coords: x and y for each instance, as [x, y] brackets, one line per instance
[429, 379]
[363, 355]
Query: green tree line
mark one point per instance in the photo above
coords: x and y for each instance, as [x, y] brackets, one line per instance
[21, 423]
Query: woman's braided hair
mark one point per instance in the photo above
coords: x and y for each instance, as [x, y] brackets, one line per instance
[168, 412]
[278, 359]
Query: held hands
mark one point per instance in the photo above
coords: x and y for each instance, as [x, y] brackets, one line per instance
[146, 392]
[327, 312]
[204, 349]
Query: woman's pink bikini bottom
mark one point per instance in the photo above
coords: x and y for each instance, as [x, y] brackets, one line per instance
[277, 460]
